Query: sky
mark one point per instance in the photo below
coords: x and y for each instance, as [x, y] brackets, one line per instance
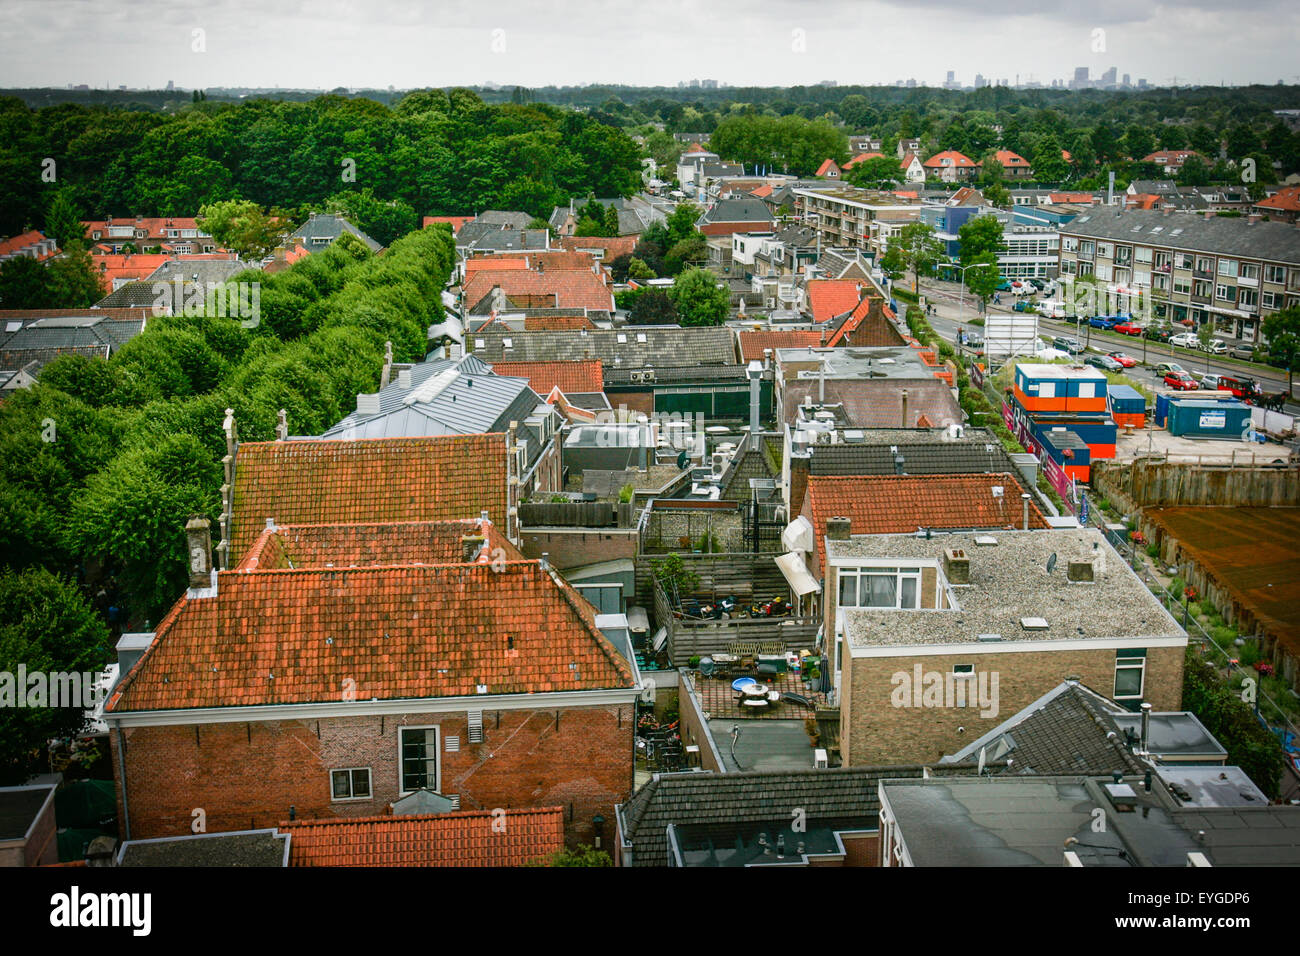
[323, 44]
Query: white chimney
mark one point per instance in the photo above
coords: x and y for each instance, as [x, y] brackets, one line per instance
[368, 404]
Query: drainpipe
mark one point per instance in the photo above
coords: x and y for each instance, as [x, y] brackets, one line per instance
[904, 408]
[126, 808]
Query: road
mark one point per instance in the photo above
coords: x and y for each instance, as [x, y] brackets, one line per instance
[951, 313]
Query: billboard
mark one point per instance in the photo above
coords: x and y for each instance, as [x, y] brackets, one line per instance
[1010, 335]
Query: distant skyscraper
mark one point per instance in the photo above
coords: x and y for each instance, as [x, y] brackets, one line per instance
[1080, 77]
[1109, 77]
[980, 81]
[1127, 80]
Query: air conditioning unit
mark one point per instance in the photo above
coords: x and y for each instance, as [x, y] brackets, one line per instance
[648, 375]
[820, 760]
[638, 376]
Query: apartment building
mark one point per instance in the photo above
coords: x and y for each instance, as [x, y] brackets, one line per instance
[1230, 271]
[852, 218]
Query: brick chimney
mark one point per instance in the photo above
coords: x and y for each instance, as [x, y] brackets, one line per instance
[838, 528]
[1079, 571]
[199, 548]
[905, 425]
[956, 566]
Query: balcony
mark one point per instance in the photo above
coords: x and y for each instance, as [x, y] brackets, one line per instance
[1248, 281]
[1203, 273]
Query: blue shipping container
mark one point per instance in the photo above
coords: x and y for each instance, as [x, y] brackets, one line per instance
[1205, 419]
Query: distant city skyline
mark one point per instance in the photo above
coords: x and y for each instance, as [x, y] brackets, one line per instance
[324, 44]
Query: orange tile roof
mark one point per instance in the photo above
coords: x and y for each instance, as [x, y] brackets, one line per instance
[1170, 157]
[11, 245]
[558, 261]
[827, 167]
[557, 323]
[1071, 197]
[389, 632]
[899, 504]
[368, 545]
[1284, 200]
[880, 335]
[464, 838]
[567, 376]
[862, 158]
[1010, 160]
[959, 160]
[753, 343]
[762, 192]
[495, 264]
[377, 480]
[828, 298]
[614, 246]
[571, 290]
[127, 267]
[454, 221]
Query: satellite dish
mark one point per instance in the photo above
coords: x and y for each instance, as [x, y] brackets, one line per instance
[682, 460]
[1051, 563]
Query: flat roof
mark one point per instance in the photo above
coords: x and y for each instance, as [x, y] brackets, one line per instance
[1045, 370]
[1212, 786]
[1176, 735]
[899, 361]
[243, 848]
[1009, 582]
[19, 808]
[1026, 821]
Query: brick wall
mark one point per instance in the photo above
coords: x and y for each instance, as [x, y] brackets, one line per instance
[875, 732]
[572, 548]
[248, 775]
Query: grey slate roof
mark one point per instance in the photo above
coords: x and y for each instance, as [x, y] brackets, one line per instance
[871, 403]
[1247, 836]
[201, 270]
[1068, 730]
[1272, 241]
[737, 798]
[327, 226]
[738, 209]
[139, 294]
[501, 238]
[665, 346]
[73, 332]
[473, 401]
[929, 457]
[246, 848]
[511, 219]
[1154, 187]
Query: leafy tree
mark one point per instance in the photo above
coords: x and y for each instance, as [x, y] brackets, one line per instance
[699, 299]
[1194, 172]
[998, 195]
[877, 172]
[583, 856]
[1282, 332]
[63, 222]
[920, 249]
[1204, 140]
[693, 248]
[653, 307]
[638, 270]
[243, 227]
[681, 223]
[1139, 141]
[73, 281]
[893, 263]
[23, 284]
[588, 226]
[385, 221]
[979, 235]
[991, 171]
[982, 277]
[47, 626]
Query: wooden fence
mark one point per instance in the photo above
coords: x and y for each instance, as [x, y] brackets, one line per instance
[698, 638]
[1159, 481]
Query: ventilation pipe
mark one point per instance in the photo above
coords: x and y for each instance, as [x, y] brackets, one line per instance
[1024, 500]
[904, 408]
[1145, 740]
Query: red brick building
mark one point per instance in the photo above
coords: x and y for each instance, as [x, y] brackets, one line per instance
[339, 668]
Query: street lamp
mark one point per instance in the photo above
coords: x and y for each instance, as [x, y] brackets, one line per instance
[962, 269]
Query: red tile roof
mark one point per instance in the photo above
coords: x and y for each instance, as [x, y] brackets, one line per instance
[827, 168]
[369, 545]
[959, 160]
[464, 838]
[894, 504]
[753, 343]
[879, 332]
[12, 245]
[1010, 160]
[157, 228]
[569, 289]
[1170, 157]
[1284, 200]
[828, 298]
[614, 246]
[1071, 197]
[567, 376]
[862, 158]
[376, 480]
[495, 264]
[762, 192]
[112, 268]
[401, 632]
[454, 221]
[559, 261]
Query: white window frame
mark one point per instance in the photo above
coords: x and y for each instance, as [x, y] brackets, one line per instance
[435, 750]
[1127, 663]
[898, 572]
[370, 784]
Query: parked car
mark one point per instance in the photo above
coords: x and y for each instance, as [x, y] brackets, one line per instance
[1124, 359]
[1103, 321]
[975, 340]
[1129, 328]
[1024, 288]
[1023, 306]
[1214, 346]
[1157, 335]
[1181, 381]
[1067, 344]
[1104, 362]
[1248, 352]
[1184, 340]
[1004, 285]
[1164, 368]
[1052, 309]
[1210, 380]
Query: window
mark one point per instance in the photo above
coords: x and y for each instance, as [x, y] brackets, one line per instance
[1227, 267]
[419, 758]
[1182, 286]
[1130, 671]
[1103, 250]
[898, 588]
[1269, 300]
[1143, 254]
[1104, 273]
[1249, 270]
[352, 783]
[1087, 389]
[963, 670]
[1226, 293]
[1275, 274]
[1182, 260]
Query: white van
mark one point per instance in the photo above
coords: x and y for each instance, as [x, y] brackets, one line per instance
[1051, 308]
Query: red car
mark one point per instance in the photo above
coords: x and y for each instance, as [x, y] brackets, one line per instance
[1128, 328]
[1181, 381]
[1127, 361]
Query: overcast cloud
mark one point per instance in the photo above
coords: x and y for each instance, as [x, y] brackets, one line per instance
[378, 43]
